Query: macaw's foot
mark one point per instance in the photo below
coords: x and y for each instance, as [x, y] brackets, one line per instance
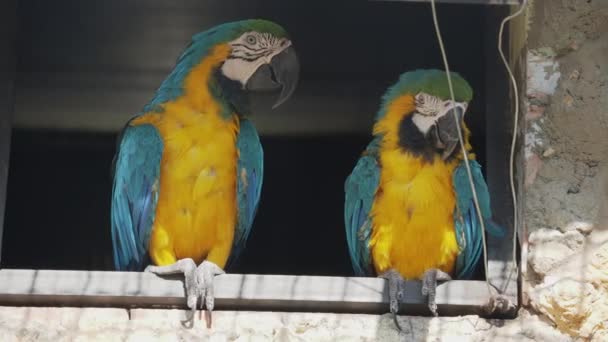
[429, 286]
[396, 288]
[198, 281]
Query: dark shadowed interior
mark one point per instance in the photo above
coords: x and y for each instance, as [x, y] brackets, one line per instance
[85, 67]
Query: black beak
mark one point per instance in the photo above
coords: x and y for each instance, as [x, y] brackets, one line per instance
[444, 134]
[282, 72]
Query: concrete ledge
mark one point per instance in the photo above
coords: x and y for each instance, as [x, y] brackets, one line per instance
[233, 292]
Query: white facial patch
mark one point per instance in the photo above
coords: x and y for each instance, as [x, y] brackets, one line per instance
[430, 108]
[250, 51]
[423, 122]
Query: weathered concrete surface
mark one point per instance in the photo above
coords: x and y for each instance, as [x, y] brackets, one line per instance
[106, 324]
[566, 115]
[566, 145]
[570, 281]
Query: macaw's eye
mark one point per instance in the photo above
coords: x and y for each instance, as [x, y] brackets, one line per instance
[251, 39]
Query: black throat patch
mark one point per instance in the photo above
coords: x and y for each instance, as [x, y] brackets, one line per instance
[413, 141]
[231, 92]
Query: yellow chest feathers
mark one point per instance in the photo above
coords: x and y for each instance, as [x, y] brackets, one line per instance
[413, 224]
[196, 209]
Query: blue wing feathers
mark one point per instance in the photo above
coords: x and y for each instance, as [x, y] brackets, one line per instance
[135, 195]
[468, 227]
[360, 188]
[250, 174]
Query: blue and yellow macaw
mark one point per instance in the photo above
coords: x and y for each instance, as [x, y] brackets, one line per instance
[188, 170]
[409, 209]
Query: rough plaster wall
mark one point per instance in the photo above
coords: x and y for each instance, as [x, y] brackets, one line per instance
[91, 324]
[567, 139]
[566, 170]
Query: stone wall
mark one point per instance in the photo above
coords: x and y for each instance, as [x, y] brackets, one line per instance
[566, 149]
[93, 324]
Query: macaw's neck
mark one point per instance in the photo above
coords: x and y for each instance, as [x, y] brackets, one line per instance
[230, 93]
[201, 87]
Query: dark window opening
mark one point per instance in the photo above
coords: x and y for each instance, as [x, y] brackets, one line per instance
[57, 214]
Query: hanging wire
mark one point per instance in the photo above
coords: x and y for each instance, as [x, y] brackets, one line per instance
[513, 141]
[462, 146]
[514, 268]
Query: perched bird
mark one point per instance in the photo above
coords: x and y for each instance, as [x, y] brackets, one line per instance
[188, 169]
[409, 209]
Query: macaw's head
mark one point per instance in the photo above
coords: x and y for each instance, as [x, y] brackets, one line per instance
[233, 59]
[261, 57]
[417, 113]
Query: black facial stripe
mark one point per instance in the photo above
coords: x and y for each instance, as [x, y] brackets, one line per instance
[248, 56]
[245, 50]
[412, 140]
[249, 59]
[245, 54]
[265, 53]
[248, 47]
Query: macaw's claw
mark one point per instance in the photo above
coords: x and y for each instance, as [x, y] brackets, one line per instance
[198, 283]
[429, 286]
[396, 287]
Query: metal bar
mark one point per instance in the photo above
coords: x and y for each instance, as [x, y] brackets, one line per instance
[8, 22]
[464, 2]
[232, 292]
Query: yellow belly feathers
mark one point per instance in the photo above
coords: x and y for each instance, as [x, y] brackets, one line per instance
[196, 212]
[413, 223]
[412, 214]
